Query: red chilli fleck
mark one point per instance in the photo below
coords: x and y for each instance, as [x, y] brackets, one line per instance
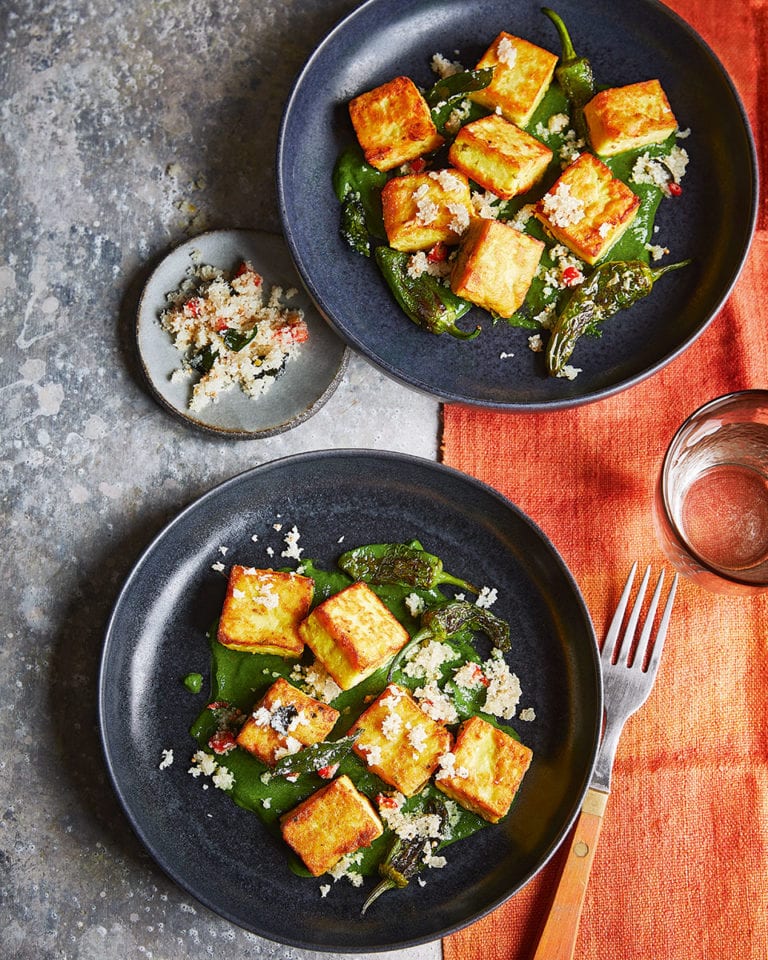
[328, 772]
[385, 802]
[438, 253]
[572, 276]
[222, 742]
[675, 189]
[418, 165]
[192, 307]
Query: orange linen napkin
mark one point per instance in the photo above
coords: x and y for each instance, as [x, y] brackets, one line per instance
[681, 869]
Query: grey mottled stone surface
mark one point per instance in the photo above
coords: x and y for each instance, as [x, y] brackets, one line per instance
[126, 128]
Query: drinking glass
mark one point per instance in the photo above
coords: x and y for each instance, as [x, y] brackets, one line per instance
[711, 499]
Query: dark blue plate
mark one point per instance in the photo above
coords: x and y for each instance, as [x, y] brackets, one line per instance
[222, 854]
[627, 41]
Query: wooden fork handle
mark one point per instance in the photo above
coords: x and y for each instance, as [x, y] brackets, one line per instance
[558, 936]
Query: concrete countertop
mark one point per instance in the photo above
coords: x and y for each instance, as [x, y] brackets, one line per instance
[127, 129]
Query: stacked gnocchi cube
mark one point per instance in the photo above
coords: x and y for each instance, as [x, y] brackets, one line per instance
[352, 634]
[587, 208]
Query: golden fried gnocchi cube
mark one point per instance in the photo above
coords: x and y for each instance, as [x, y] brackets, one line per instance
[522, 73]
[422, 209]
[587, 208]
[284, 721]
[393, 124]
[334, 821]
[399, 742]
[263, 609]
[486, 770]
[495, 266]
[624, 118]
[352, 634]
[499, 156]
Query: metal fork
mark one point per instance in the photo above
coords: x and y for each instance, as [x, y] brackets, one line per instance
[629, 671]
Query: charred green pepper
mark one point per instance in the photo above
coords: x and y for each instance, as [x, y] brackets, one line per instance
[406, 857]
[357, 186]
[399, 563]
[613, 286]
[424, 299]
[316, 757]
[574, 74]
[444, 95]
[447, 619]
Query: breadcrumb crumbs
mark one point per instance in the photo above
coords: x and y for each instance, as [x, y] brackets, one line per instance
[230, 333]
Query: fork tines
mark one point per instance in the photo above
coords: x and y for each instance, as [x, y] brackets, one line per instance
[619, 647]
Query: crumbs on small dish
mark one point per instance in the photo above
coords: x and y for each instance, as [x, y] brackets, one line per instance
[231, 332]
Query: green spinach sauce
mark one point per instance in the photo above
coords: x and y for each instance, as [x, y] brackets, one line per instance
[240, 679]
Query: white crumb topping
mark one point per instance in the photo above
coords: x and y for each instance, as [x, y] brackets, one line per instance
[391, 725]
[547, 316]
[325, 889]
[661, 171]
[372, 754]
[448, 768]
[414, 604]
[317, 682]
[166, 759]
[458, 115]
[506, 52]
[428, 659]
[485, 205]
[447, 180]
[435, 703]
[459, 217]
[535, 343]
[205, 764]
[470, 675]
[503, 692]
[229, 333]
[417, 738]
[562, 208]
[393, 697]
[522, 217]
[267, 597]
[432, 861]
[656, 251]
[223, 778]
[292, 549]
[345, 868]
[444, 67]
[487, 597]
[426, 208]
[410, 826]
[528, 714]
[558, 122]
[292, 745]
[419, 264]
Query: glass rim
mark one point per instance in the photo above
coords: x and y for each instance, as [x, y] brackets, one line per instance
[705, 409]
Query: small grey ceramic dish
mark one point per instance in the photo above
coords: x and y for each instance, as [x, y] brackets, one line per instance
[300, 391]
